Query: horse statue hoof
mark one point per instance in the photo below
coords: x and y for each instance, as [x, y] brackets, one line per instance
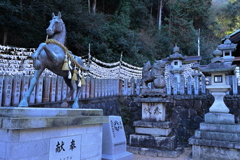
[23, 103]
[64, 105]
[75, 105]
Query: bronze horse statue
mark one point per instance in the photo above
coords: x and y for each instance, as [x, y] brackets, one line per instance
[52, 56]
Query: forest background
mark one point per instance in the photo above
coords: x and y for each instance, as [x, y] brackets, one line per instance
[141, 30]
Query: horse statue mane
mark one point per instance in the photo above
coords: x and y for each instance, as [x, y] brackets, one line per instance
[54, 56]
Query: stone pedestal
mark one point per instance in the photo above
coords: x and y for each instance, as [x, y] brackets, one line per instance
[114, 140]
[217, 138]
[53, 133]
[152, 133]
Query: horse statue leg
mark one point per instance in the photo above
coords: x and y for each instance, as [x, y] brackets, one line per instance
[69, 84]
[33, 82]
[75, 104]
[53, 57]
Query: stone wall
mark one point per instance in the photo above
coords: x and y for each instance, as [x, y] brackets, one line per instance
[186, 112]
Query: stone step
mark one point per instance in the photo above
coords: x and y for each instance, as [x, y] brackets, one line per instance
[156, 152]
[226, 152]
[153, 131]
[232, 137]
[227, 128]
[152, 124]
[213, 143]
[148, 141]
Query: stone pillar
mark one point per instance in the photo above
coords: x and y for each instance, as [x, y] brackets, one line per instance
[1, 89]
[234, 84]
[175, 85]
[64, 90]
[103, 88]
[96, 87]
[182, 85]
[16, 91]
[196, 85]
[46, 88]
[39, 90]
[59, 89]
[83, 91]
[138, 87]
[32, 96]
[189, 85]
[92, 88]
[169, 87]
[203, 85]
[53, 89]
[7, 90]
[24, 86]
[87, 87]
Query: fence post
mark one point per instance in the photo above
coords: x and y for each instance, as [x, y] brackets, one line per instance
[16, 90]
[39, 91]
[103, 88]
[83, 91]
[7, 90]
[53, 89]
[196, 85]
[169, 87]
[182, 85]
[228, 83]
[24, 85]
[234, 84]
[1, 89]
[33, 94]
[175, 85]
[133, 86]
[189, 85]
[120, 87]
[203, 85]
[92, 87]
[125, 88]
[64, 90]
[46, 88]
[59, 89]
[87, 87]
[138, 86]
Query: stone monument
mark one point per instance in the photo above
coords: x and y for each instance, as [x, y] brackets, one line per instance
[218, 136]
[114, 140]
[153, 133]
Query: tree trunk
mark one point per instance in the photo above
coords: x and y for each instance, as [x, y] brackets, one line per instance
[94, 6]
[21, 7]
[5, 33]
[89, 6]
[160, 15]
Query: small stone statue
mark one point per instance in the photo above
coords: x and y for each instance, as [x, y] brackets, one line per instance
[153, 74]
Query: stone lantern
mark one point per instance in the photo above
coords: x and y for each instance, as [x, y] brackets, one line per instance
[176, 60]
[227, 48]
[218, 135]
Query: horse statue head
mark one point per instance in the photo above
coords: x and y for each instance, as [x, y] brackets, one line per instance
[57, 29]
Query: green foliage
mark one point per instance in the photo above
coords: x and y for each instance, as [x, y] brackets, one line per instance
[120, 26]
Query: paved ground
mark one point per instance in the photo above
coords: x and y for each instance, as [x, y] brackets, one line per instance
[183, 156]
